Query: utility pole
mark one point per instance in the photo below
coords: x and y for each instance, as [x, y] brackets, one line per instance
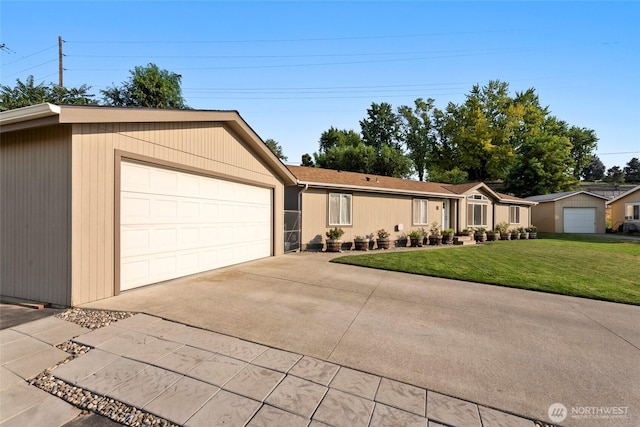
[60, 69]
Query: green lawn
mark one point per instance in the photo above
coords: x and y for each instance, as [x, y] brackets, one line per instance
[584, 266]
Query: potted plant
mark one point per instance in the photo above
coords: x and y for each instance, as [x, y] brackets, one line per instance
[401, 242]
[383, 239]
[533, 231]
[447, 236]
[372, 242]
[480, 234]
[515, 234]
[492, 235]
[334, 239]
[524, 235]
[361, 243]
[434, 234]
[467, 232]
[503, 229]
[416, 238]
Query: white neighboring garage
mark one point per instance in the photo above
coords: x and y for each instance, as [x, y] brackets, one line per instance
[96, 200]
[569, 212]
[176, 223]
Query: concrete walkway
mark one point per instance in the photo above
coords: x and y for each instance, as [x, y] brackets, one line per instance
[514, 350]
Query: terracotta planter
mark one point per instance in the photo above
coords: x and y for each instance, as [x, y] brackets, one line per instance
[384, 243]
[334, 245]
[361, 244]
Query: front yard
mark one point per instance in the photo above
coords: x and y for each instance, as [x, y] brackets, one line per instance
[577, 265]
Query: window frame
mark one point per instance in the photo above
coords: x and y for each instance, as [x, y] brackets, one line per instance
[474, 200]
[517, 215]
[341, 198]
[632, 208]
[421, 205]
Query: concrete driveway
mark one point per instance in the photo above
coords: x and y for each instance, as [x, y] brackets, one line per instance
[514, 350]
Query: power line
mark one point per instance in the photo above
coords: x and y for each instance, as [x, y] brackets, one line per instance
[31, 68]
[29, 56]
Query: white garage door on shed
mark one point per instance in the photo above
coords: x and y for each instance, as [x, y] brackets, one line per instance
[174, 223]
[579, 220]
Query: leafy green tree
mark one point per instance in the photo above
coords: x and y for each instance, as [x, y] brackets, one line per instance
[541, 167]
[307, 160]
[276, 149]
[615, 175]
[147, 87]
[453, 176]
[338, 138]
[419, 135]
[27, 93]
[594, 171]
[381, 127]
[583, 142]
[632, 171]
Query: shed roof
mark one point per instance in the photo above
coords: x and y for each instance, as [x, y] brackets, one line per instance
[48, 114]
[554, 197]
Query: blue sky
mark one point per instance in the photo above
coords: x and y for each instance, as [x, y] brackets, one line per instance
[294, 69]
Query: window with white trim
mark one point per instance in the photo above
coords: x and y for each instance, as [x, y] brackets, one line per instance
[420, 208]
[514, 214]
[632, 211]
[477, 206]
[339, 209]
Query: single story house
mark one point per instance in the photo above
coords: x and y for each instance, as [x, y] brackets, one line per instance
[625, 210]
[96, 200]
[361, 204]
[569, 212]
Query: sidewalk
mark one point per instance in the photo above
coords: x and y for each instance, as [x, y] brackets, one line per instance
[195, 377]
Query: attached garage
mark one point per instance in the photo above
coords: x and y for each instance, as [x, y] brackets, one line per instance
[99, 200]
[569, 212]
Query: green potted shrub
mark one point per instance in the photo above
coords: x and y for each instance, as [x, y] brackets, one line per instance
[383, 239]
[434, 234]
[480, 234]
[503, 229]
[334, 239]
[447, 236]
[524, 235]
[515, 234]
[533, 231]
[361, 243]
[416, 238]
[492, 235]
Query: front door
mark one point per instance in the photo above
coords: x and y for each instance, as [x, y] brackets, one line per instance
[445, 215]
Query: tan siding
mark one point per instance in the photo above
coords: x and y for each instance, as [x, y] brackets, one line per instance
[210, 147]
[34, 224]
[502, 214]
[617, 207]
[544, 217]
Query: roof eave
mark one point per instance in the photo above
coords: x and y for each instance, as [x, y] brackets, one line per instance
[330, 186]
[32, 112]
[623, 195]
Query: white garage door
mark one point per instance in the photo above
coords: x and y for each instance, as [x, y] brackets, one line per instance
[173, 224]
[579, 220]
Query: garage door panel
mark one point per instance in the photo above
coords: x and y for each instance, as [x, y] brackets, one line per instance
[579, 220]
[174, 224]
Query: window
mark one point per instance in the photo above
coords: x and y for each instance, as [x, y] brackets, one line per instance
[514, 214]
[339, 209]
[477, 210]
[632, 211]
[420, 207]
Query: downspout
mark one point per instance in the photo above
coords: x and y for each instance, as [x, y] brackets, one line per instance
[306, 186]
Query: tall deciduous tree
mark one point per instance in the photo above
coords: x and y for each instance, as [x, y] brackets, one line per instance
[632, 171]
[28, 93]
[594, 171]
[615, 175]
[147, 86]
[419, 135]
[541, 167]
[276, 149]
[381, 127]
[583, 143]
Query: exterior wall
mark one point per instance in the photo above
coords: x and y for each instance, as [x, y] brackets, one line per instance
[617, 208]
[549, 216]
[462, 216]
[544, 217]
[370, 213]
[502, 214]
[204, 147]
[35, 202]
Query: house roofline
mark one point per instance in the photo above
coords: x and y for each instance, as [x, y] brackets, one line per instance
[623, 195]
[384, 190]
[32, 112]
[575, 193]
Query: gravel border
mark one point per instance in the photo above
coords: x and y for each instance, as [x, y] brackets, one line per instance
[85, 399]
